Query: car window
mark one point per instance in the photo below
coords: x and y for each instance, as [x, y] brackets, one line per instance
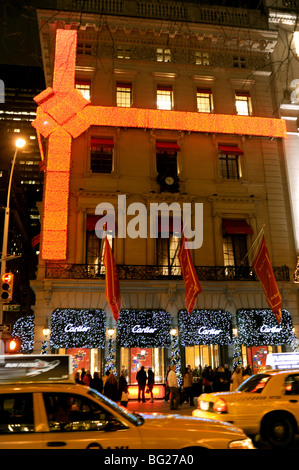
[292, 385]
[71, 412]
[255, 383]
[16, 413]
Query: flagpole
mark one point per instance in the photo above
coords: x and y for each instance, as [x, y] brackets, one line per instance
[253, 245]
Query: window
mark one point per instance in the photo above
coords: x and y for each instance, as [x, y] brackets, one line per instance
[16, 413]
[202, 58]
[243, 103]
[167, 247]
[95, 246]
[164, 97]
[101, 155]
[239, 61]
[235, 232]
[124, 95]
[163, 55]
[292, 385]
[83, 48]
[84, 88]
[69, 412]
[204, 100]
[229, 160]
[123, 52]
[167, 167]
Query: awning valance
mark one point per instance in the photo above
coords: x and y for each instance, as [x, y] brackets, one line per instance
[101, 142]
[167, 145]
[230, 149]
[236, 226]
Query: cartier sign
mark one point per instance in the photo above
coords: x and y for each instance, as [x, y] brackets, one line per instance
[139, 329]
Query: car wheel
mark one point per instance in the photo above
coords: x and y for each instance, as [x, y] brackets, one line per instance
[278, 430]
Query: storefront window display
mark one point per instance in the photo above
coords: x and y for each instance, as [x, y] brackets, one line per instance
[260, 334]
[202, 333]
[142, 336]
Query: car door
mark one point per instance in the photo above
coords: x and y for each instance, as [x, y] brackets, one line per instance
[290, 391]
[17, 422]
[77, 422]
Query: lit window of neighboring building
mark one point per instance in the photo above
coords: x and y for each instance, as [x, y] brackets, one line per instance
[101, 155]
[84, 88]
[243, 103]
[164, 97]
[229, 162]
[123, 52]
[124, 95]
[202, 58]
[163, 55]
[204, 100]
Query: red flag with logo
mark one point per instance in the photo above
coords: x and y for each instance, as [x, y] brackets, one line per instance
[263, 268]
[192, 286]
[112, 288]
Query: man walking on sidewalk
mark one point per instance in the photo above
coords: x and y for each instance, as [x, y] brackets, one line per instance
[141, 378]
[174, 389]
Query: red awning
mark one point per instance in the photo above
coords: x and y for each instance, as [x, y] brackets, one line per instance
[230, 149]
[167, 146]
[91, 221]
[102, 142]
[236, 226]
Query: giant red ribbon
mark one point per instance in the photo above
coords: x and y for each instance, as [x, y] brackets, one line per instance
[192, 286]
[112, 288]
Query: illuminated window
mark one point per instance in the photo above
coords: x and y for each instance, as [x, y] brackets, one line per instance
[243, 103]
[167, 246]
[164, 97]
[124, 95]
[202, 58]
[163, 55]
[234, 249]
[204, 101]
[123, 52]
[229, 161]
[239, 61]
[84, 88]
[101, 155]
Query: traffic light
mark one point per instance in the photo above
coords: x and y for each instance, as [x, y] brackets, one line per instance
[7, 287]
[12, 346]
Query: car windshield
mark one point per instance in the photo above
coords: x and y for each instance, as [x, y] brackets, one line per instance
[255, 383]
[134, 418]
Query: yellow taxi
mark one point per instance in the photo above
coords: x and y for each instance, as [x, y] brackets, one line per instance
[43, 409]
[266, 404]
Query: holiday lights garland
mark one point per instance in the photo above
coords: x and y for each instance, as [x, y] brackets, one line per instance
[205, 327]
[23, 330]
[144, 328]
[75, 328]
[258, 327]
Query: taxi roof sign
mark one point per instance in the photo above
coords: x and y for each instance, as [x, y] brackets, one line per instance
[36, 368]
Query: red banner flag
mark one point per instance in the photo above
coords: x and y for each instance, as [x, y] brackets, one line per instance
[112, 289]
[263, 268]
[192, 286]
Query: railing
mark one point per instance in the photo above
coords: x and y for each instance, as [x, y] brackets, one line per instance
[181, 11]
[138, 272]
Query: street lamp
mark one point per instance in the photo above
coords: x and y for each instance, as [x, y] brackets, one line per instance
[19, 144]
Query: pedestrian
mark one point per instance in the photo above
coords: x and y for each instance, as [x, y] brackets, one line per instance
[87, 378]
[151, 382]
[111, 387]
[187, 387]
[219, 384]
[246, 373]
[207, 379]
[141, 378]
[96, 382]
[237, 379]
[123, 390]
[167, 390]
[228, 376]
[174, 389]
[83, 372]
[77, 378]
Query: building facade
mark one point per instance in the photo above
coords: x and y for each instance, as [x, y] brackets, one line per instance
[182, 112]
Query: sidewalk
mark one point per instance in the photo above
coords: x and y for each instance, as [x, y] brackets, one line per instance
[160, 406]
